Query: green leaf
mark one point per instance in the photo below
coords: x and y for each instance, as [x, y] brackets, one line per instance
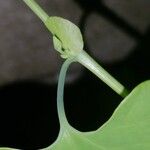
[67, 37]
[127, 129]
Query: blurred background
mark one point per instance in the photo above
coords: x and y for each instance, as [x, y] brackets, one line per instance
[116, 34]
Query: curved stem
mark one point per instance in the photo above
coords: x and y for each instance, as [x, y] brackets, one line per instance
[60, 93]
[37, 9]
[94, 67]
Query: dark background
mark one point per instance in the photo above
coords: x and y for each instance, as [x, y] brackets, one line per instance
[28, 113]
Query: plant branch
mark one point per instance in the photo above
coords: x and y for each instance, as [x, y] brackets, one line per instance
[83, 57]
[37, 9]
[94, 67]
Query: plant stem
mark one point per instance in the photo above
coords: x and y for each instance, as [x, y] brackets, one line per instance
[83, 57]
[94, 67]
[60, 94]
[37, 9]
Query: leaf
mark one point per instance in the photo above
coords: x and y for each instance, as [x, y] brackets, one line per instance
[127, 129]
[66, 33]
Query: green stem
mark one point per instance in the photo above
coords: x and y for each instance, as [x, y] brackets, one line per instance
[60, 94]
[37, 9]
[94, 67]
[83, 57]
